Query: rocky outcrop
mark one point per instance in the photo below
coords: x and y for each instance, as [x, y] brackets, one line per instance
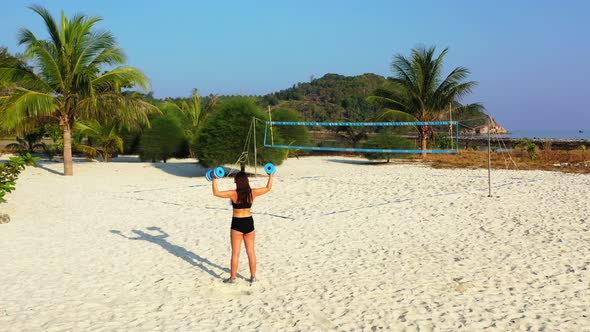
[493, 128]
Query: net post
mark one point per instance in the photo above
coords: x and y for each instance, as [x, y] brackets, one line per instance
[265, 131]
[457, 135]
[489, 159]
[254, 131]
[272, 138]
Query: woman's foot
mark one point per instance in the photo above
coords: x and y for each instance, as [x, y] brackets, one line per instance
[252, 280]
[229, 281]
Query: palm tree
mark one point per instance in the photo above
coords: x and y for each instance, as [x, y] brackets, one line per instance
[30, 143]
[105, 139]
[66, 82]
[193, 112]
[418, 91]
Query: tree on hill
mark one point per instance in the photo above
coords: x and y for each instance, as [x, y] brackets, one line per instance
[418, 91]
[224, 137]
[332, 97]
[66, 82]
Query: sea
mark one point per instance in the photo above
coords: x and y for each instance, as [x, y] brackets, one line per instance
[580, 134]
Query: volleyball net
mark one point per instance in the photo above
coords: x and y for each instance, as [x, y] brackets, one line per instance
[363, 137]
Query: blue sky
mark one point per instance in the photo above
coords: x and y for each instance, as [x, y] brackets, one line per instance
[531, 58]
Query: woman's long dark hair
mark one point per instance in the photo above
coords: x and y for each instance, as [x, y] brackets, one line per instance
[243, 188]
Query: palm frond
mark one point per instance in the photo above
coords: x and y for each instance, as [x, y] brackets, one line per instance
[49, 23]
[121, 76]
[92, 47]
[89, 152]
[395, 116]
[48, 64]
[24, 104]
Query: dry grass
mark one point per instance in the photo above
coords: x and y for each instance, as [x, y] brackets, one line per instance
[575, 161]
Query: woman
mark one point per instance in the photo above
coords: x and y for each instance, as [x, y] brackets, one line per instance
[242, 224]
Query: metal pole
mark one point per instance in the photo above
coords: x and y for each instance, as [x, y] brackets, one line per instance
[489, 159]
[272, 138]
[451, 124]
[457, 134]
[254, 129]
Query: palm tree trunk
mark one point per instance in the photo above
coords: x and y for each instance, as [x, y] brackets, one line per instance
[423, 137]
[68, 164]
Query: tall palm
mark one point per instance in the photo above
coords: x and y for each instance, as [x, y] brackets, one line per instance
[419, 92]
[69, 81]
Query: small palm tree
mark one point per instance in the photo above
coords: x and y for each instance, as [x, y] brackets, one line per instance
[105, 139]
[31, 142]
[192, 112]
[418, 91]
[68, 82]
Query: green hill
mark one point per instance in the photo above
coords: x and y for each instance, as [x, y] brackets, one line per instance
[332, 97]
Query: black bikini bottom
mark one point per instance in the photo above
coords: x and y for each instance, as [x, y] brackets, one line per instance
[244, 225]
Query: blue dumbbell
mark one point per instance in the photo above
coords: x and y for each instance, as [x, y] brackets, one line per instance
[217, 172]
[269, 168]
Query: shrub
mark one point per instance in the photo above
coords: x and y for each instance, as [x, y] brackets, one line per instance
[164, 140]
[530, 148]
[291, 135]
[10, 170]
[442, 141]
[222, 139]
[387, 140]
[131, 141]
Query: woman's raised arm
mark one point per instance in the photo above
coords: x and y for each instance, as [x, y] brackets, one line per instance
[222, 194]
[263, 190]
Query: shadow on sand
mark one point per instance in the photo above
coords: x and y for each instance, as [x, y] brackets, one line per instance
[178, 167]
[42, 166]
[357, 162]
[159, 237]
[185, 169]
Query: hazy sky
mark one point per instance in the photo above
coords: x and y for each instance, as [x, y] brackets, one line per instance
[531, 58]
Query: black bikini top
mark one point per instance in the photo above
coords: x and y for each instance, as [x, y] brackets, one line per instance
[243, 205]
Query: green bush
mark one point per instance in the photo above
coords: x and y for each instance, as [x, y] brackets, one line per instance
[387, 140]
[530, 148]
[10, 170]
[442, 141]
[164, 140]
[221, 140]
[131, 141]
[291, 135]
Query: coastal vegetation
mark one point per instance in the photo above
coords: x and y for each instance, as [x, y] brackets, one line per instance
[387, 139]
[418, 91]
[225, 137]
[567, 161]
[73, 94]
[29, 143]
[104, 139]
[67, 80]
[165, 139]
[10, 170]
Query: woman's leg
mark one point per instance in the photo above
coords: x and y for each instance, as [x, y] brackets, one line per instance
[249, 241]
[236, 243]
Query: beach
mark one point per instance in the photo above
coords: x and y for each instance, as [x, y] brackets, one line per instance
[342, 244]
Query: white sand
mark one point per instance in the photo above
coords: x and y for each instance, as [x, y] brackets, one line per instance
[341, 245]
